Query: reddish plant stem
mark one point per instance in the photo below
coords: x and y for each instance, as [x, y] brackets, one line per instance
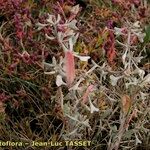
[69, 67]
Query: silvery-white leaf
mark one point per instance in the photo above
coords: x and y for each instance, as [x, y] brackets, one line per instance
[146, 80]
[136, 31]
[74, 38]
[92, 107]
[137, 140]
[41, 26]
[58, 19]
[76, 86]
[103, 74]
[75, 9]
[69, 32]
[64, 47]
[86, 123]
[118, 31]
[60, 36]
[28, 23]
[140, 72]
[70, 44]
[73, 118]
[139, 34]
[143, 95]
[92, 69]
[124, 57]
[114, 80]
[47, 65]
[66, 44]
[49, 37]
[138, 59]
[82, 58]
[50, 73]
[72, 24]
[54, 61]
[59, 81]
[127, 70]
[141, 37]
[66, 108]
[137, 24]
[51, 19]
[61, 61]
[133, 82]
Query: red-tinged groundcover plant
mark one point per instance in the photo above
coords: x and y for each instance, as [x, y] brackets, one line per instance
[76, 70]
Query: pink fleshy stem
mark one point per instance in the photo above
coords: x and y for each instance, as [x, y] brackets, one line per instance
[69, 67]
[88, 91]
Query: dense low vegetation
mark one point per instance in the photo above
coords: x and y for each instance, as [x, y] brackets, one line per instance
[75, 70]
